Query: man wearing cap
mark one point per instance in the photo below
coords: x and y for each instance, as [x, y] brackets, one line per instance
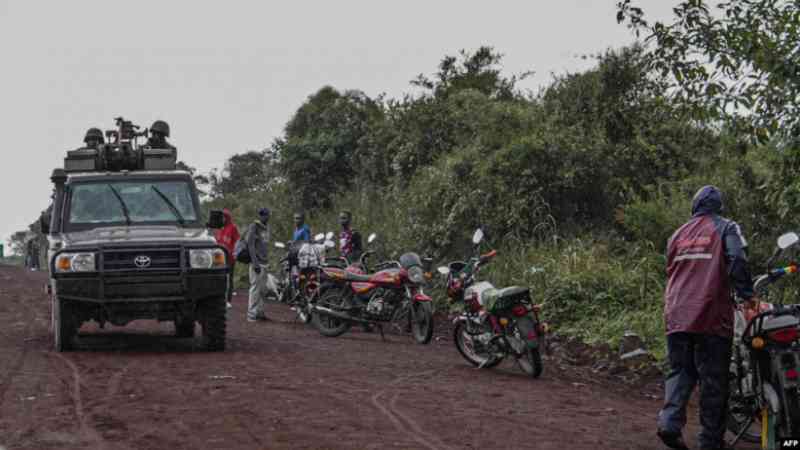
[257, 245]
[705, 258]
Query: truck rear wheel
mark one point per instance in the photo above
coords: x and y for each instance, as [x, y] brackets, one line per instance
[212, 319]
[64, 328]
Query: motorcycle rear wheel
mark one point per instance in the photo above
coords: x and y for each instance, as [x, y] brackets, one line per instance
[422, 322]
[735, 421]
[328, 325]
[466, 346]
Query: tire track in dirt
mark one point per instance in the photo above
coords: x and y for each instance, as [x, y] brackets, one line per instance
[403, 422]
[19, 362]
[86, 431]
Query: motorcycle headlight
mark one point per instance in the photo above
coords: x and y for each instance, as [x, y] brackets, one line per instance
[75, 262]
[212, 258]
[416, 275]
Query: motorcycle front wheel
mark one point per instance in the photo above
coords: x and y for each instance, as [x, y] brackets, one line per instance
[476, 353]
[422, 322]
[531, 362]
[332, 298]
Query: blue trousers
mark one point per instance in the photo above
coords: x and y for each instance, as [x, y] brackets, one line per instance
[697, 359]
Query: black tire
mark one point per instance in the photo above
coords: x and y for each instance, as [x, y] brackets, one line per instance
[465, 346]
[184, 327]
[422, 322]
[531, 362]
[328, 325]
[212, 320]
[64, 325]
[735, 420]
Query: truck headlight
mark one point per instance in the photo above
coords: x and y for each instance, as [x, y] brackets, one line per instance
[75, 262]
[212, 258]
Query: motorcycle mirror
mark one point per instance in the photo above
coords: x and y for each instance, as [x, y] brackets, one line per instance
[329, 244]
[329, 235]
[371, 238]
[477, 237]
[319, 237]
[443, 270]
[787, 240]
[280, 245]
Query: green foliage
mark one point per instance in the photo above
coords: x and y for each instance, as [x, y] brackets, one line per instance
[579, 187]
[738, 63]
[321, 153]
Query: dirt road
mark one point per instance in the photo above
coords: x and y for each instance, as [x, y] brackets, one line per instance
[281, 385]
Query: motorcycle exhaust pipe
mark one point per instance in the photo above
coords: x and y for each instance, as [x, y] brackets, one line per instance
[339, 315]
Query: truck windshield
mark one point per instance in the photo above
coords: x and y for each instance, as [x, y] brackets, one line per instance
[95, 204]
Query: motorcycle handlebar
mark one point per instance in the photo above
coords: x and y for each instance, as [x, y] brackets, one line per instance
[487, 256]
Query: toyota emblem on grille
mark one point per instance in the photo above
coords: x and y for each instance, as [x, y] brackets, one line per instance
[142, 261]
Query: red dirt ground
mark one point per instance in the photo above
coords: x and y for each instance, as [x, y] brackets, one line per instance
[281, 385]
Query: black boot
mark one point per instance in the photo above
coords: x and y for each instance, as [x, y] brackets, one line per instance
[672, 440]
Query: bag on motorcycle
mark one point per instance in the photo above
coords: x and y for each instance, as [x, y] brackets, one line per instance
[309, 256]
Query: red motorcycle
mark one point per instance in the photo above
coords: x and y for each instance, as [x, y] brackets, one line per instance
[496, 323]
[392, 295]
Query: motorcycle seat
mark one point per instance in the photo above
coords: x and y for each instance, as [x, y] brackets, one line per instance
[775, 323]
[512, 291]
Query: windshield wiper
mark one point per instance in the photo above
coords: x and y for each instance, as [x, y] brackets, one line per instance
[121, 202]
[172, 207]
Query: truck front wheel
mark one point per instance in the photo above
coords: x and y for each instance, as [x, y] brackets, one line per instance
[64, 325]
[212, 319]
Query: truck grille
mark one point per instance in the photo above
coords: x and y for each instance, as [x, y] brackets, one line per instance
[141, 259]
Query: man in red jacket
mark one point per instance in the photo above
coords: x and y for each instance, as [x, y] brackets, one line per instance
[227, 237]
[705, 259]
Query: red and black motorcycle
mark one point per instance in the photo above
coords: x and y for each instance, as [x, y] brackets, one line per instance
[496, 323]
[392, 295]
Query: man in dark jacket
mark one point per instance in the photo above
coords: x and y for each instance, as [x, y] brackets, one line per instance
[258, 245]
[705, 258]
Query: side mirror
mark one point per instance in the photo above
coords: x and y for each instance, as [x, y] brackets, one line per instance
[280, 245]
[371, 238]
[443, 270]
[329, 235]
[477, 237]
[216, 219]
[787, 240]
[44, 223]
[319, 237]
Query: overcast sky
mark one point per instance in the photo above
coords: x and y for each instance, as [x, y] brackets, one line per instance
[228, 75]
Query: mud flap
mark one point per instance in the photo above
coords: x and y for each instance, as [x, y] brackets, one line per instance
[528, 332]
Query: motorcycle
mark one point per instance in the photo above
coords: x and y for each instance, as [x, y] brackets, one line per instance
[764, 402]
[496, 323]
[301, 274]
[392, 295]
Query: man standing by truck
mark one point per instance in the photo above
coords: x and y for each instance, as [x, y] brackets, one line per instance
[258, 235]
[227, 237]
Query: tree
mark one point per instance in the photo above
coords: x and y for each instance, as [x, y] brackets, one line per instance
[247, 172]
[16, 243]
[740, 63]
[478, 70]
[323, 150]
